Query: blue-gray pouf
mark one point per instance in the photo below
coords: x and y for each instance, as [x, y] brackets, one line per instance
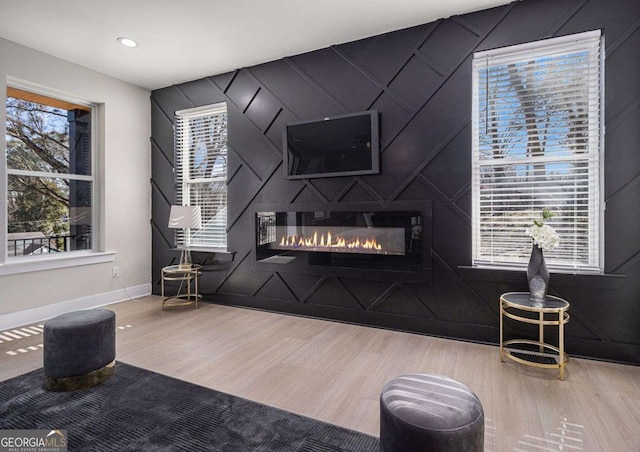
[78, 344]
[420, 412]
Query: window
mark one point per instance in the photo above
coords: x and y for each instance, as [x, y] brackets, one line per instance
[50, 175]
[201, 173]
[537, 144]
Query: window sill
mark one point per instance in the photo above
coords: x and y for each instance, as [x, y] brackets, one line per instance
[27, 265]
[198, 253]
[559, 277]
[203, 249]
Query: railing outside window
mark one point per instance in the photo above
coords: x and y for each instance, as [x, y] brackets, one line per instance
[45, 245]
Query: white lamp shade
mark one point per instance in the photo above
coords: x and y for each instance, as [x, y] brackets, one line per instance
[185, 217]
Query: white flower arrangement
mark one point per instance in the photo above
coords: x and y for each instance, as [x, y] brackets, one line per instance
[542, 234]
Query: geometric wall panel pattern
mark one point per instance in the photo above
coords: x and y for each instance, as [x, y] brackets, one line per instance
[419, 80]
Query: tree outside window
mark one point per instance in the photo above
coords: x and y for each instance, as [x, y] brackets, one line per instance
[49, 175]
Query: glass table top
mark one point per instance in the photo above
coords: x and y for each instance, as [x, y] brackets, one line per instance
[523, 299]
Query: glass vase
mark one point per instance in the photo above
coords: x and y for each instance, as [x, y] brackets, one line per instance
[537, 277]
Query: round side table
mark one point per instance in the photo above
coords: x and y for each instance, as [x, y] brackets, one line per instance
[187, 291]
[516, 305]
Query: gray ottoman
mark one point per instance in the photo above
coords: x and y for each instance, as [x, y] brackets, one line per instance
[420, 412]
[79, 349]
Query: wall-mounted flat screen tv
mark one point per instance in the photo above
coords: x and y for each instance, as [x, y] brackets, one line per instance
[344, 145]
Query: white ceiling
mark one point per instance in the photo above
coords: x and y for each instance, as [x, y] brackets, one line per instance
[183, 40]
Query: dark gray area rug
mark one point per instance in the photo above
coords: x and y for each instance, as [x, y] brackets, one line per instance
[140, 410]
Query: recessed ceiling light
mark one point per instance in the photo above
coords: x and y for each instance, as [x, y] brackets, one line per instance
[127, 42]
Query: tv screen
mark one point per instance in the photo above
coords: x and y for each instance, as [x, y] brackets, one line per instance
[344, 145]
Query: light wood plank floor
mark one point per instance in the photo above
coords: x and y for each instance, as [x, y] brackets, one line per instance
[334, 372]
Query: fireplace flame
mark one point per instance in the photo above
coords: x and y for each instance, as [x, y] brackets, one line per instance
[321, 241]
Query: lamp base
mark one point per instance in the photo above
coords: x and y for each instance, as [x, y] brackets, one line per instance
[185, 259]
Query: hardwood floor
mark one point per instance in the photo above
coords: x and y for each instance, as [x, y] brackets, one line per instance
[334, 372]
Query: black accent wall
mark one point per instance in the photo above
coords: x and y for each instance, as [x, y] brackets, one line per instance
[419, 79]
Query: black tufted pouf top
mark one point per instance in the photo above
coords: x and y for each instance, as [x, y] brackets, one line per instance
[79, 342]
[420, 412]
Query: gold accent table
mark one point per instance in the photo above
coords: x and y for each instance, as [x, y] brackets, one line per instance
[188, 277]
[554, 313]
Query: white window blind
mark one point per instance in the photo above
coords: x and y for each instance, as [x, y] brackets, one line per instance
[536, 144]
[201, 173]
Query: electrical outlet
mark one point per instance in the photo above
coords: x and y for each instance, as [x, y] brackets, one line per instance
[115, 272]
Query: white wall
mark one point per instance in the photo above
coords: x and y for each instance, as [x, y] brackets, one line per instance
[126, 170]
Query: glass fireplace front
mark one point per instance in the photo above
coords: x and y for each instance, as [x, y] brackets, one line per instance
[361, 239]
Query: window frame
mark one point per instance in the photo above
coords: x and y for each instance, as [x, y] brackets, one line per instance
[183, 179]
[596, 171]
[22, 264]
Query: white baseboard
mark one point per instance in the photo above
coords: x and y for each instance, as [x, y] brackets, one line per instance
[41, 313]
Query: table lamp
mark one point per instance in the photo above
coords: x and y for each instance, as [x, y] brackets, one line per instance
[187, 218]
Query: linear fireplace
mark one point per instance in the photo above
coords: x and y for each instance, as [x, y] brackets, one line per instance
[295, 232]
[363, 236]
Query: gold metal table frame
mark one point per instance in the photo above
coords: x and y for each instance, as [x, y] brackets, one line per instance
[553, 313]
[186, 276]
